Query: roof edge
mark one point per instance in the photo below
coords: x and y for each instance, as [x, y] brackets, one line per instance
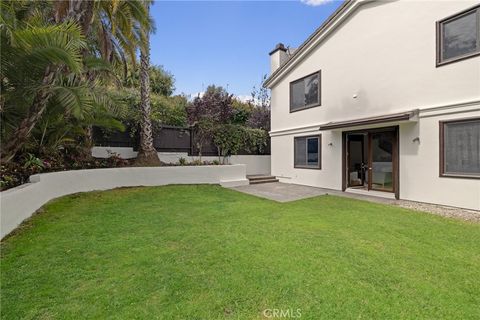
[311, 39]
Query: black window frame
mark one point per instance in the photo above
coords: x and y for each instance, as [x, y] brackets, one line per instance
[439, 43]
[319, 103]
[316, 136]
[442, 172]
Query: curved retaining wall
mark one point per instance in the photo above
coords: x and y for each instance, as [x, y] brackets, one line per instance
[20, 203]
[256, 164]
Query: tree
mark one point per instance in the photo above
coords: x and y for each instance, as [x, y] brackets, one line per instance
[229, 139]
[52, 49]
[169, 110]
[49, 54]
[242, 111]
[147, 155]
[162, 82]
[260, 115]
[218, 117]
[207, 112]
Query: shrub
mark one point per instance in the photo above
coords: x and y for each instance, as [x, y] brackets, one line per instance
[182, 161]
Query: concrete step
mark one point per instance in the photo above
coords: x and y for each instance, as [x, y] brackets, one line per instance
[258, 181]
[259, 177]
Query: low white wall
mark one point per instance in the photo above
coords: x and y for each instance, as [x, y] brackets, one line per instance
[255, 164]
[20, 203]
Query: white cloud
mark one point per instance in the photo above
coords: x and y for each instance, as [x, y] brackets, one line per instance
[243, 97]
[248, 98]
[192, 96]
[315, 3]
[240, 97]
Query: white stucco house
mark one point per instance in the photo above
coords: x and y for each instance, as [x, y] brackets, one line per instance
[383, 99]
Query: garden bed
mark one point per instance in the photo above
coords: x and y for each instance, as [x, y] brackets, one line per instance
[17, 173]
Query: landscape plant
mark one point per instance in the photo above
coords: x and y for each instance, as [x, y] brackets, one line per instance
[51, 59]
[219, 118]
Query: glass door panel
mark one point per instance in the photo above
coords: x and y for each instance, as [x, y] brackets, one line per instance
[381, 160]
[356, 160]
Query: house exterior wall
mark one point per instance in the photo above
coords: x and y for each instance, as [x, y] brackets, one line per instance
[384, 53]
[419, 164]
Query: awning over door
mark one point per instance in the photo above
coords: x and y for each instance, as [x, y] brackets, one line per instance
[388, 118]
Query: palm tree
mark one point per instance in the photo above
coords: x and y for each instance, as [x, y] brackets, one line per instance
[147, 155]
[33, 55]
[37, 55]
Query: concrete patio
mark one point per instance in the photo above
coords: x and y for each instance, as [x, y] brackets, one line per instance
[286, 192]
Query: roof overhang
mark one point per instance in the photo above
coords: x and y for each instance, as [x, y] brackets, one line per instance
[377, 120]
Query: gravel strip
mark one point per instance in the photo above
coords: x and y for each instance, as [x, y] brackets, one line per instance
[450, 212]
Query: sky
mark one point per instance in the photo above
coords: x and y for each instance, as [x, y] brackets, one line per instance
[226, 43]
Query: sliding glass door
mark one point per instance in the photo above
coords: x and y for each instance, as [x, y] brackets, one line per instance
[371, 160]
[382, 155]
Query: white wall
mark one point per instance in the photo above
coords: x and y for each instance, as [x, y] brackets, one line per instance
[256, 164]
[419, 162]
[385, 52]
[19, 203]
[329, 176]
[420, 165]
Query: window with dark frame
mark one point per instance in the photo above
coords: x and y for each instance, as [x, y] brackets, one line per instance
[458, 36]
[460, 148]
[307, 152]
[305, 92]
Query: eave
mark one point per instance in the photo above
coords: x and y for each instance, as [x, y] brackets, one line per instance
[381, 119]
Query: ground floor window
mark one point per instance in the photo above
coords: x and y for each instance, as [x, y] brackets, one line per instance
[308, 152]
[460, 148]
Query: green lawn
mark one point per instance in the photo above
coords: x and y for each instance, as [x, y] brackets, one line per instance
[204, 252]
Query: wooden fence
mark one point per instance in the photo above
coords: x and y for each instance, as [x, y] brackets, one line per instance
[165, 139]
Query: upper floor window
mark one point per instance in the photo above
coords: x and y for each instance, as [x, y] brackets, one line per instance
[458, 36]
[460, 148]
[305, 92]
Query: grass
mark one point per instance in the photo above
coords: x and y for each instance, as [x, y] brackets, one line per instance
[204, 252]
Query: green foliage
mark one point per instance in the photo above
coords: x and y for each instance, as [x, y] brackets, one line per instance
[27, 50]
[207, 113]
[256, 139]
[162, 82]
[217, 116]
[69, 65]
[182, 161]
[31, 161]
[165, 110]
[169, 110]
[229, 139]
[242, 111]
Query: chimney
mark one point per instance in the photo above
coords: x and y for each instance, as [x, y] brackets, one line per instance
[278, 57]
